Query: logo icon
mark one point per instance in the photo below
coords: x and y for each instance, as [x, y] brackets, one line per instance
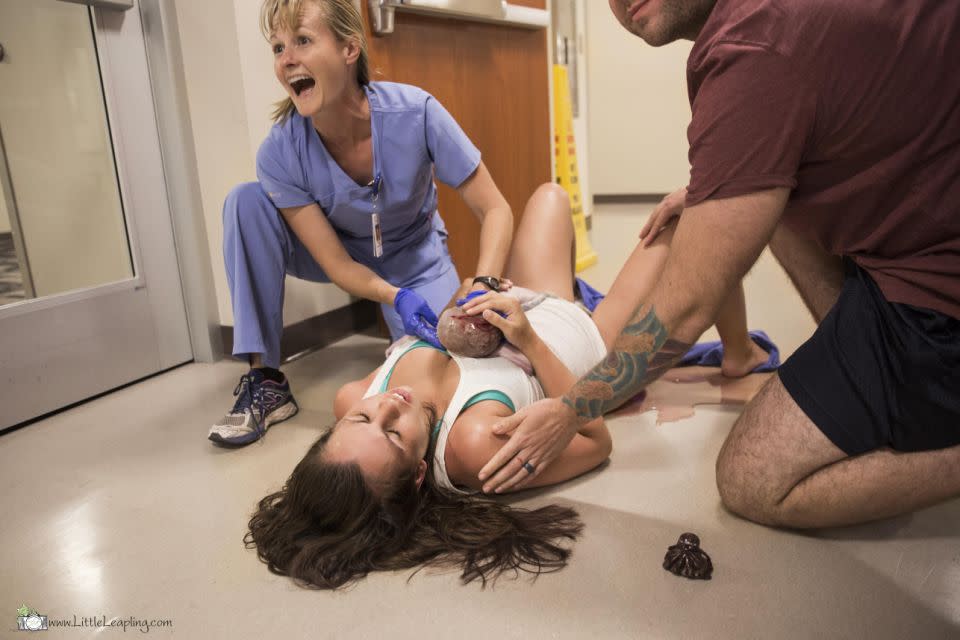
[29, 620]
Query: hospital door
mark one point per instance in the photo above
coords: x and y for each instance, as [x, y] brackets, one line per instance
[90, 294]
[493, 76]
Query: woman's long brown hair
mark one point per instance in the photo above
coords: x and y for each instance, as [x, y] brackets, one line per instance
[326, 528]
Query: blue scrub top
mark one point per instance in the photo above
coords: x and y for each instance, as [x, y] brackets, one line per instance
[413, 138]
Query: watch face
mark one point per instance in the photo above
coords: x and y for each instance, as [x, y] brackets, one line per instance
[490, 281]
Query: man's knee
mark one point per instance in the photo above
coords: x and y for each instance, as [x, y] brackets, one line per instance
[753, 468]
[738, 486]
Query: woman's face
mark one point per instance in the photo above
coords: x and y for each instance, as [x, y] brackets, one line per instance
[311, 64]
[383, 434]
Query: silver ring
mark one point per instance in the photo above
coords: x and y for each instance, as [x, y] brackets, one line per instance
[529, 468]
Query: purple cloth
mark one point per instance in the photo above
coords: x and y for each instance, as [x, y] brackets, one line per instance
[710, 354]
[590, 296]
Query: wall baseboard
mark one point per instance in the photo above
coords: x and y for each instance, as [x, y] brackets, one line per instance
[319, 331]
[627, 198]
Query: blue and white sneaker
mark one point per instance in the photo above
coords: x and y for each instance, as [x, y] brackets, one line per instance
[260, 403]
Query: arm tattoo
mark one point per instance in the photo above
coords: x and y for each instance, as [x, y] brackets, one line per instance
[642, 353]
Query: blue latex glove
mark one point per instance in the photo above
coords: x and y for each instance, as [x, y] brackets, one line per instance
[474, 294]
[470, 296]
[418, 318]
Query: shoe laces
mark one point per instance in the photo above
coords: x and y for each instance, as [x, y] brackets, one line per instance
[249, 396]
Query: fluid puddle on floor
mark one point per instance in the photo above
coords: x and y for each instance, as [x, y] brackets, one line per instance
[676, 395]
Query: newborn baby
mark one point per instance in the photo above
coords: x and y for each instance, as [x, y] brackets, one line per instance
[469, 336]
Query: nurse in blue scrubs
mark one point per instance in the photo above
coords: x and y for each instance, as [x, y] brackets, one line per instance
[345, 194]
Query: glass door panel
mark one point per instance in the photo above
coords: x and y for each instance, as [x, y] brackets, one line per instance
[90, 292]
[61, 172]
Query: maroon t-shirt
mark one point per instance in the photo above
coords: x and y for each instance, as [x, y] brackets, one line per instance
[855, 106]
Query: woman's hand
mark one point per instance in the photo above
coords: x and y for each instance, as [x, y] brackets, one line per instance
[506, 314]
[418, 318]
[670, 207]
[468, 287]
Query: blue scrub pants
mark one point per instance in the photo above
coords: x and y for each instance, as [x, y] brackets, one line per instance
[259, 249]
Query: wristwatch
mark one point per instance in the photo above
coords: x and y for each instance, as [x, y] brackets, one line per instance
[489, 281]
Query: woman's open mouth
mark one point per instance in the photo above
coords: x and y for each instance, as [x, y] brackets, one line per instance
[301, 84]
[402, 393]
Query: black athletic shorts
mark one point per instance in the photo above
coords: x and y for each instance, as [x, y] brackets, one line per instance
[879, 374]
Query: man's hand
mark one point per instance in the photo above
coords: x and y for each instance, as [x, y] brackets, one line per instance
[541, 432]
[670, 207]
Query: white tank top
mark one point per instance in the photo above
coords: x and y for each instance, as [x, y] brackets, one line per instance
[565, 328]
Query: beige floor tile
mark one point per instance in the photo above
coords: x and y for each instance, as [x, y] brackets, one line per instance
[120, 507]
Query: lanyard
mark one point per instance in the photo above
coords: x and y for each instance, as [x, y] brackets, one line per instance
[375, 218]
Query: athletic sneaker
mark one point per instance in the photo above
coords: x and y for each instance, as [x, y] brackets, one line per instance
[260, 403]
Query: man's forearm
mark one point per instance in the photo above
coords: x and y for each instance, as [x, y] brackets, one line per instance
[641, 354]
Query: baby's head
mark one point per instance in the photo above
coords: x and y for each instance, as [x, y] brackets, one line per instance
[469, 336]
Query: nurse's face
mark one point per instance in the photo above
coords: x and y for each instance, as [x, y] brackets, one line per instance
[660, 22]
[385, 434]
[313, 66]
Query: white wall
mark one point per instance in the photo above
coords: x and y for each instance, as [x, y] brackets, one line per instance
[638, 109]
[581, 121]
[227, 64]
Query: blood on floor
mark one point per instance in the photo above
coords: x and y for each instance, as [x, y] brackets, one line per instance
[676, 395]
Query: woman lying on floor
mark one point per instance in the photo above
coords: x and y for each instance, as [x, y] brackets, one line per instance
[393, 484]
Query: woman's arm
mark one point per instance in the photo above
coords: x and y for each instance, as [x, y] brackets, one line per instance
[317, 235]
[481, 194]
[472, 443]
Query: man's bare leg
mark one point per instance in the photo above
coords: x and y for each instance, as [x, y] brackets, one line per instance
[816, 274]
[777, 468]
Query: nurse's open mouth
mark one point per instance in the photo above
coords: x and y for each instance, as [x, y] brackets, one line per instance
[299, 84]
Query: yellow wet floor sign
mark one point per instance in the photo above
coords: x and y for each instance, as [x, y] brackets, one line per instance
[565, 150]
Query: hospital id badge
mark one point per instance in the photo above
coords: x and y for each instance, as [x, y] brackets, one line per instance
[377, 237]
[375, 219]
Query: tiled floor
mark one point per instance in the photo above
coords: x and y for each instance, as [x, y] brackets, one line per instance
[121, 508]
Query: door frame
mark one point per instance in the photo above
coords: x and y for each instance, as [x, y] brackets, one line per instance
[165, 61]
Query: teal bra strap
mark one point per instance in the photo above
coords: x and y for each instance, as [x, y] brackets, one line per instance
[499, 396]
[416, 345]
[386, 380]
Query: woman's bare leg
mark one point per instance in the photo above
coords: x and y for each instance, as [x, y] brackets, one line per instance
[540, 258]
[740, 354]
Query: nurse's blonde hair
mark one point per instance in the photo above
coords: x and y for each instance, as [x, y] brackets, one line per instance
[342, 18]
